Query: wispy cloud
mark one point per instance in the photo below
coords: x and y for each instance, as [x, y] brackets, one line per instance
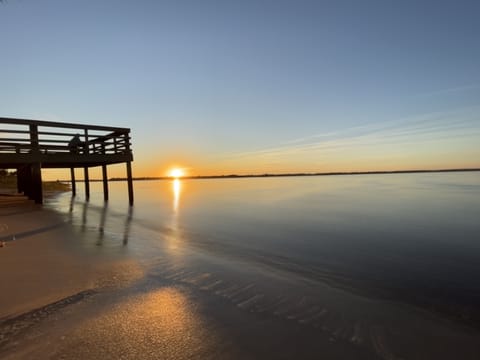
[413, 131]
[452, 90]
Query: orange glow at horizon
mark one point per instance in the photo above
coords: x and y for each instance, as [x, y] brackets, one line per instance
[176, 173]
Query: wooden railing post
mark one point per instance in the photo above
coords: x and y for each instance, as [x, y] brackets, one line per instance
[34, 138]
[86, 145]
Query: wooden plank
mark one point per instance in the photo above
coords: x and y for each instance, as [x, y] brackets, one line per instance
[7, 120]
[53, 133]
[14, 131]
[52, 159]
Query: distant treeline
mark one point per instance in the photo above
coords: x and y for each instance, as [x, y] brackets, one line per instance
[233, 176]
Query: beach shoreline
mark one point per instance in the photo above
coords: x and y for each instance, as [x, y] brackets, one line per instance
[40, 262]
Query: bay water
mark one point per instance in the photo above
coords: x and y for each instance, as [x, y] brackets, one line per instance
[389, 263]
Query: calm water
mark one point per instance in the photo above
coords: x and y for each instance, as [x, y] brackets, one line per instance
[389, 262]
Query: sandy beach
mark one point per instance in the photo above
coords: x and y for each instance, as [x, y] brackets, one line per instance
[38, 262]
[42, 269]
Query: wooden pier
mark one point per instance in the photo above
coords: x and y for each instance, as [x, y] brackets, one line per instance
[32, 145]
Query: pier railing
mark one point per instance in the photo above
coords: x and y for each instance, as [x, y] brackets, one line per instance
[30, 145]
[19, 136]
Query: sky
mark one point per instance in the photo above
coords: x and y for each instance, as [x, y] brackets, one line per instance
[254, 86]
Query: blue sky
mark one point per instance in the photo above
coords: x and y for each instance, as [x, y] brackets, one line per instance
[254, 86]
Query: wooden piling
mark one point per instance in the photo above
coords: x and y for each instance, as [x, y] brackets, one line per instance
[27, 181]
[130, 183]
[105, 182]
[20, 179]
[37, 191]
[87, 183]
[74, 185]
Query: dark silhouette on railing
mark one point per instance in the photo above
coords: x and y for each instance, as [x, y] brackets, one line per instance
[30, 145]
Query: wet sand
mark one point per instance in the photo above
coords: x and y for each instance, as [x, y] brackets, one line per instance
[42, 270]
[39, 262]
[59, 301]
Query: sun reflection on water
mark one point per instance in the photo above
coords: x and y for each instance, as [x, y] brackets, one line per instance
[177, 189]
[175, 236]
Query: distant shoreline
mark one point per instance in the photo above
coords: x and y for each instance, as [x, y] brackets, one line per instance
[335, 173]
[235, 176]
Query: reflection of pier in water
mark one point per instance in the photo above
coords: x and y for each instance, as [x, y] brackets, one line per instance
[97, 216]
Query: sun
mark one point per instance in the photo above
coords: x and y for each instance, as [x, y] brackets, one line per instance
[176, 173]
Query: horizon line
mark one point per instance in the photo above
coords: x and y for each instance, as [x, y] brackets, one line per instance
[333, 173]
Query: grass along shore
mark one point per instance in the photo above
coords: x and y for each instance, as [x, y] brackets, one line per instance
[9, 182]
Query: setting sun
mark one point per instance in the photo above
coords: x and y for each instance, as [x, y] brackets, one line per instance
[176, 173]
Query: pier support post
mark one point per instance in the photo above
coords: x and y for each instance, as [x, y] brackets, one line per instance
[27, 181]
[130, 183]
[74, 185]
[37, 183]
[105, 182]
[87, 183]
[19, 180]
[21, 174]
